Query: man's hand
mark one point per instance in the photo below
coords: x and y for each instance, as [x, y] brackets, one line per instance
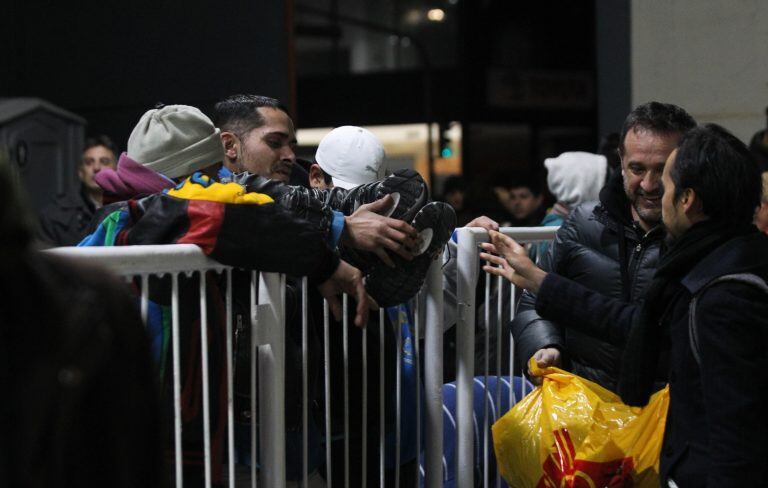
[347, 279]
[549, 356]
[367, 230]
[486, 223]
[515, 265]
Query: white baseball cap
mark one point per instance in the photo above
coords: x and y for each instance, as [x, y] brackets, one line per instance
[351, 155]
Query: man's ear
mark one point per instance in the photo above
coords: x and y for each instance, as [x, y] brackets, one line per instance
[316, 177]
[230, 142]
[691, 203]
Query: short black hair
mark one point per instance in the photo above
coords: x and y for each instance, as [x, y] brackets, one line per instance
[100, 140]
[722, 171]
[239, 114]
[454, 183]
[656, 117]
[532, 181]
[609, 147]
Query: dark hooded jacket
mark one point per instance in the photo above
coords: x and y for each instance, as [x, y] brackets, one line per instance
[64, 222]
[602, 248]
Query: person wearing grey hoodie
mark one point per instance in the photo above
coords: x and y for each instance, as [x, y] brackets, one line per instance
[573, 178]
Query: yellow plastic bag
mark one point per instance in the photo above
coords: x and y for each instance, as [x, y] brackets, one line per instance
[572, 433]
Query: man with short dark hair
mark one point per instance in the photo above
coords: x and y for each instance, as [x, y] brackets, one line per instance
[258, 136]
[707, 306]
[611, 246]
[64, 222]
[523, 201]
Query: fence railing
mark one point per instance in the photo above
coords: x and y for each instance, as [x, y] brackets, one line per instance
[267, 314]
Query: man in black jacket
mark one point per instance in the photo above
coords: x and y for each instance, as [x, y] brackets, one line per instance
[611, 246]
[707, 304]
[64, 221]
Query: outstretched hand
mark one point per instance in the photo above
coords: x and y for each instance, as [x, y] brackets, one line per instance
[347, 279]
[509, 259]
[366, 230]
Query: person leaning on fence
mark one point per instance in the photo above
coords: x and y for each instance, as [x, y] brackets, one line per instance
[80, 406]
[245, 225]
[234, 226]
[707, 305]
[610, 246]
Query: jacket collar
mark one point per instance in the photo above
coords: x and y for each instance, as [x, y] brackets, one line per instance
[742, 254]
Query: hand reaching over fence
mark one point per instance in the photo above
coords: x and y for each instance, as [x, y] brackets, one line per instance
[513, 261]
[347, 279]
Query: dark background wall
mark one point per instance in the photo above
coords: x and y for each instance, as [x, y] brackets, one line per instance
[111, 61]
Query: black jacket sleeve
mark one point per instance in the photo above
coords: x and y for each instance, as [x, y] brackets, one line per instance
[732, 329]
[530, 331]
[605, 318]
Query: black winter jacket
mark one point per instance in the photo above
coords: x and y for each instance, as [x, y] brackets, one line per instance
[591, 248]
[64, 222]
[716, 427]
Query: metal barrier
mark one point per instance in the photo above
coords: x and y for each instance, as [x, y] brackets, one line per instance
[268, 339]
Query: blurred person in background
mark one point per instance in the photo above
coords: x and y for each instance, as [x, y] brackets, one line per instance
[81, 405]
[65, 221]
[522, 201]
[609, 147]
[758, 146]
[455, 195]
[573, 178]
[761, 216]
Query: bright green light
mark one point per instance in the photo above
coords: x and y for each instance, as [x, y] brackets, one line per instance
[446, 152]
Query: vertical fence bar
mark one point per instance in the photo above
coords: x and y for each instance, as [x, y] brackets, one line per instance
[382, 427]
[304, 384]
[465, 349]
[512, 397]
[364, 413]
[144, 298]
[433, 378]
[176, 379]
[487, 317]
[499, 332]
[272, 379]
[206, 386]
[230, 384]
[254, 352]
[327, 361]
[345, 341]
[417, 365]
[398, 397]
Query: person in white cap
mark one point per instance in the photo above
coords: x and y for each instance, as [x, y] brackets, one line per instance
[350, 156]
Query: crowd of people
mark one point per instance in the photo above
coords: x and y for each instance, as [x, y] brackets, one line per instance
[657, 275]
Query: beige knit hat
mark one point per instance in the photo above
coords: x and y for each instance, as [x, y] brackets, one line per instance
[175, 141]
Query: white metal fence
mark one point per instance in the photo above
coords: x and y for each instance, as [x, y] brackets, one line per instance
[140, 264]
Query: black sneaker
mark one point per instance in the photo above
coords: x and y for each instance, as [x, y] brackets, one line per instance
[409, 192]
[435, 222]
[406, 186]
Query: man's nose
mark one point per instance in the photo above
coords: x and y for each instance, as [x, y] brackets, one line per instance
[288, 154]
[97, 166]
[651, 182]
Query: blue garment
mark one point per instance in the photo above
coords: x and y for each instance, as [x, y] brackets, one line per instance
[494, 413]
[538, 251]
[401, 317]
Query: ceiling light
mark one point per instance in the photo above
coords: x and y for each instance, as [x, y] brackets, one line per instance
[436, 15]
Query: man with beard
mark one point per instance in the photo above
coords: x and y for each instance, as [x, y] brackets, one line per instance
[707, 306]
[258, 136]
[610, 246]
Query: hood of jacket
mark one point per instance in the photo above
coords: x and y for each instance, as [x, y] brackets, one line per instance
[576, 177]
[130, 180]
